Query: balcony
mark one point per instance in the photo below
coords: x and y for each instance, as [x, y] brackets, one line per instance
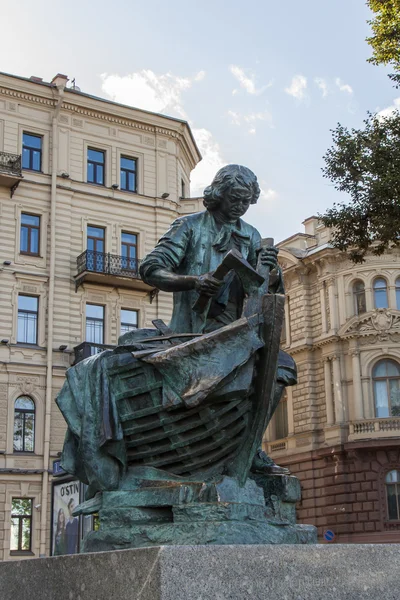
[374, 429]
[10, 169]
[87, 349]
[109, 269]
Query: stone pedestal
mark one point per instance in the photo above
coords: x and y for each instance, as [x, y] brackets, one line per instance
[222, 513]
[314, 572]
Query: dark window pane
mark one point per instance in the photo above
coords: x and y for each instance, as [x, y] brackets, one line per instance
[24, 403]
[33, 141]
[99, 174]
[394, 391]
[18, 432]
[97, 232]
[27, 303]
[95, 155]
[30, 219]
[129, 238]
[26, 534]
[95, 311]
[123, 180]
[35, 160]
[128, 163]
[25, 158]
[131, 182]
[392, 502]
[381, 399]
[34, 249]
[14, 545]
[90, 172]
[29, 432]
[24, 239]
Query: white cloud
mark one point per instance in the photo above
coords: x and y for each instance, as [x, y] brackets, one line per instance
[246, 82]
[144, 89]
[387, 112]
[212, 161]
[250, 119]
[343, 87]
[298, 87]
[323, 86]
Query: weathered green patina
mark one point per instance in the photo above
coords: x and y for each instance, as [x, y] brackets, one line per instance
[165, 428]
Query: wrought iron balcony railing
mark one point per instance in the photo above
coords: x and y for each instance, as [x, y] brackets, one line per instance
[109, 264]
[10, 164]
[87, 349]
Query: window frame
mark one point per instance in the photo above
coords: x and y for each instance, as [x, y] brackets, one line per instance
[29, 227]
[95, 319]
[31, 149]
[95, 165]
[380, 289]
[285, 422]
[24, 412]
[128, 258]
[20, 550]
[126, 171]
[29, 343]
[386, 378]
[183, 188]
[397, 494]
[357, 294]
[133, 310]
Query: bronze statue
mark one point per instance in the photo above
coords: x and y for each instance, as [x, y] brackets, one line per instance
[164, 429]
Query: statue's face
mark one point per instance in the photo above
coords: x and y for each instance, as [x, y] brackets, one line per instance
[235, 203]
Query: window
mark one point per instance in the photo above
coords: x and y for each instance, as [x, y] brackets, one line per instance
[281, 419]
[27, 319]
[95, 248]
[24, 425]
[32, 152]
[398, 293]
[359, 297]
[95, 166]
[129, 320]
[129, 251]
[392, 482]
[380, 293]
[21, 525]
[30, 228]
[183, 189]
[386, 381]
[95, 324]
[128, 174]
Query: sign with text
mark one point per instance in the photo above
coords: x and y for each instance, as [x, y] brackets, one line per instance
[65, 538]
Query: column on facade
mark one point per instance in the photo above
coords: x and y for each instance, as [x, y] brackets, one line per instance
[357, 386]
[333, 310]
[289, 395]
[337, 389]
[323, 308]
[330, 414]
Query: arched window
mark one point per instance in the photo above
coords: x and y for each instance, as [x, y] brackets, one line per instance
[359, 297]
[281, 419]
[386, 379]
[398, 293]
[392, 482]
[380, 293]
[24, 425]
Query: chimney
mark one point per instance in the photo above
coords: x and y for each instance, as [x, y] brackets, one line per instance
[59, 80]
[36, 79]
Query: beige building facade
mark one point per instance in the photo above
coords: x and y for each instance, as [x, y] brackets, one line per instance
[87, 187]
[338, 429]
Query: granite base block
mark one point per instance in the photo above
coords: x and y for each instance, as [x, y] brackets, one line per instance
[315, 572]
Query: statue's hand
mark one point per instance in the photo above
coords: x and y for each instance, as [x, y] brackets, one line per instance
[269, 257]
[207, 285]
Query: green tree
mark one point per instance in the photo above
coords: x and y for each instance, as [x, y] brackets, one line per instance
[385, 41]
[365, 164]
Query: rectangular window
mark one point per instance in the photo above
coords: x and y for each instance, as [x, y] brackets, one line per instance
[21, 525]
[27, 319]
[95, 248]
[30, 230]
[95, 323]
[281, 420]
[128, 174]
[95, 166]
[129, 320]
[129, 251]
[183, 189]
[32, 152]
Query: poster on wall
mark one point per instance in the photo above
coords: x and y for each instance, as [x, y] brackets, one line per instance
[65, 527]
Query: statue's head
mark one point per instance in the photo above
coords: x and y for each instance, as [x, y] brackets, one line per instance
[232, 191]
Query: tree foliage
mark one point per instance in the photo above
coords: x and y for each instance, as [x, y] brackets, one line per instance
[385, 41]
[365, 163]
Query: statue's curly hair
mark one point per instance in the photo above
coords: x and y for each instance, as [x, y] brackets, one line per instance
[230, 176]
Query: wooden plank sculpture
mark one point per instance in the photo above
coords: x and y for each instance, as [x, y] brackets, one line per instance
[166, 429]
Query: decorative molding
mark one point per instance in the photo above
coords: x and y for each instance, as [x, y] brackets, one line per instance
[381, 323]
[29, 97]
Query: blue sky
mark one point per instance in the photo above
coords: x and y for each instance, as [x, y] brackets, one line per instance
[261, 82]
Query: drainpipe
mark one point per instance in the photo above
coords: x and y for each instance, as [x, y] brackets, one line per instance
[60, 86]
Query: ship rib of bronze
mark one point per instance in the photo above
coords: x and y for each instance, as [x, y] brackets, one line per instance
[166, 429]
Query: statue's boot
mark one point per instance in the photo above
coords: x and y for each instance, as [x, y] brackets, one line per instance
[262, 463]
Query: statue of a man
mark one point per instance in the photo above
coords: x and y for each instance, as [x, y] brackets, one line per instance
[185, 258]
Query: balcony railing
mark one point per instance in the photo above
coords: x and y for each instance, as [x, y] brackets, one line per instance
[375, 428]
[109, 269]
[87, 349]
[10, 169]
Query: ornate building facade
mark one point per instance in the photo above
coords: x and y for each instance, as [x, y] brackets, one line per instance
[338, 430]
[87, 187]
